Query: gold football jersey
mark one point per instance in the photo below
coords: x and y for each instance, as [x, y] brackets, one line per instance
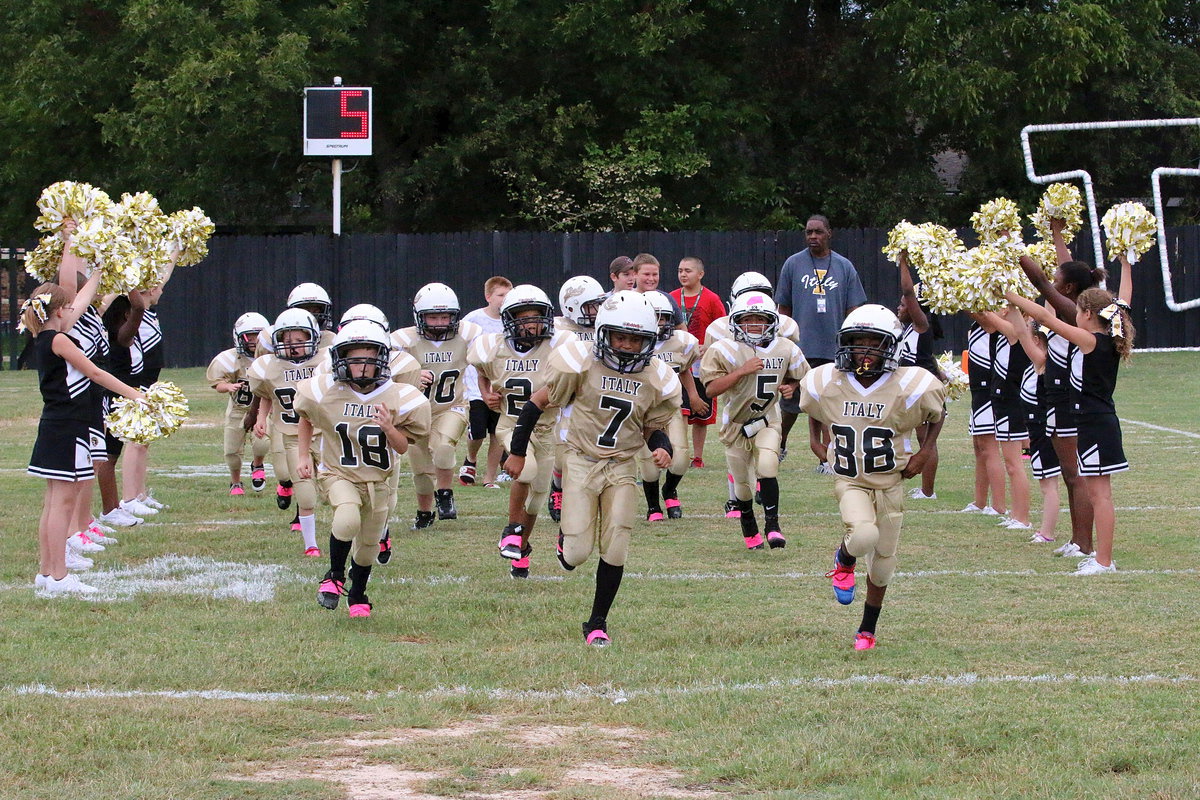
[352, 445]
[231, 367]
[868, 423]
[516, 376]
[719, 329]
[446, 360]
[609, 408]
[567, 325]
[276, 380]
[753, 395]
[678, 351]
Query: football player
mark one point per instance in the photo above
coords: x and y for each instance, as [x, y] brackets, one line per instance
[623, 398]
[512, 366]
[578, 300]
[439, 342]
[679, 350]
[274, 378]
[365, 420]
[227, 374]
[753, 369]
[870, 403]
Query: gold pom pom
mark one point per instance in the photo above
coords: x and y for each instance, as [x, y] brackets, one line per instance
[996, 219]
[161, 413]
[957, 383]
[1131, 229]
[1060, 201]
[188, 235]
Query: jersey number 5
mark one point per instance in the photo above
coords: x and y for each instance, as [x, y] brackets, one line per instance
[877, 453]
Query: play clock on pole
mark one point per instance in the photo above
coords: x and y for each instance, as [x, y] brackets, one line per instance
[337, 121]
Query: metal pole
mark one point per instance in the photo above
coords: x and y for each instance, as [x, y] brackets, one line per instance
[337, 197]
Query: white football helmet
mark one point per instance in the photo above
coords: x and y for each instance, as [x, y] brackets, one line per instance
[755, 303]
[526, 296]
[663, 312]
[864, 359]
[315, 300]
[361, 334]
[245, 332]
[364, 311]
[436, 298]
[295, 319]
[627, 312]
[575, 297]
[746, 282]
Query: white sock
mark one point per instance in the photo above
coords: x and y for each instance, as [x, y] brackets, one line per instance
[308, 529]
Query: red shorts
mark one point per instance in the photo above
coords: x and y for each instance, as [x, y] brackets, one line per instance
[712, 409]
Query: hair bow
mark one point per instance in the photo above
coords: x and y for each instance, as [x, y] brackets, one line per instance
[1112, 314]
[40, 303]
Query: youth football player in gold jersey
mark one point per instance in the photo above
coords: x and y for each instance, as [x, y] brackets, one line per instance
[365, 422]
[578, 299]
[678, 349]
[274, 378]
[439, 342]
[512, 366]
[870, 403]
[227, 374]
[623, 399]
[752, 370]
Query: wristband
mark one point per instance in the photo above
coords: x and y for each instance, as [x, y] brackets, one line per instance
[526, 422]
[660, 441]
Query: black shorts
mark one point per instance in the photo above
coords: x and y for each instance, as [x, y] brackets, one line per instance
[792, 405]
[96, 427]
[144, 379]
[1099, 450]
[63, 451]
[481, 421]
[1042, 458]
[112, 445]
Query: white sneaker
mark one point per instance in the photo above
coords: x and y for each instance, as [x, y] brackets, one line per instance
[988, 511]
[1040, 538]
[121, 518]
[824, 468]
[503, 477]
[94, 533]
[76, 561]
[1017, 525]
[1069, 550]
[149, 501]
[103, 529]
[39, 581]
[138, 508]
[1094, 567]
[782, 454]
[68, 585]
[918, 494]
[79, 544]
[971, 508]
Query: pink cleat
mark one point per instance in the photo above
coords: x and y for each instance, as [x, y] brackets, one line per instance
[362, 609]
[754, 542]
[236, 490]
[674, 508]
[330, 591]
[731, 510]
[864, 641]
[775, 539]
[654, 515]
[843, 581]
[313, 552]
[510, 543]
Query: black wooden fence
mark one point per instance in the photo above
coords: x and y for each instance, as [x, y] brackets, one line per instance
[255, 273]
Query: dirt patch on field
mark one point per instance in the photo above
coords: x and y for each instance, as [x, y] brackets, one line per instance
[353, 765]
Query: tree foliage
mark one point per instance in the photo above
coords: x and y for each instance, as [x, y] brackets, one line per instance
[601, 115]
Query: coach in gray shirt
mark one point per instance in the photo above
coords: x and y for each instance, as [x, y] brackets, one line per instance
[817, 288]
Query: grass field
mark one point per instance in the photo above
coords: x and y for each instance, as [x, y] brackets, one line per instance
[210, 672]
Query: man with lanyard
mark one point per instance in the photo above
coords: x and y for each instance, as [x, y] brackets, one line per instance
[817, 288]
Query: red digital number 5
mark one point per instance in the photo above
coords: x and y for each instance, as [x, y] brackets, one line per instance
[361, 116]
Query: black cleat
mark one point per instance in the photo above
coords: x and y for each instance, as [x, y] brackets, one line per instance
[554, 503]
[385, 548]
[562, 562]
[330, 590]
[519, 568]
[283, 496]
[424, 520]
[774, 537]
[674, 508]
[444, 500]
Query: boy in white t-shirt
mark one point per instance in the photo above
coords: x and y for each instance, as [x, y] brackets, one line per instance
[482, 423]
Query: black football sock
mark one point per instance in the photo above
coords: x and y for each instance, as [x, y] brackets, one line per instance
[844, 558]
[650, 489]
[556, 483]
[358, 580]
[339, 551]
[768, 489]
[286, 484]
[671, 486]
[870, 617]
[608, 581]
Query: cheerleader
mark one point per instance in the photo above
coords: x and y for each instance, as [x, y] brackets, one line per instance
[62, 453]
[1103, 333]
[989, 468]
[916, 350]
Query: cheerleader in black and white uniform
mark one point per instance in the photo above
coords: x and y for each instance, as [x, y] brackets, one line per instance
[916, 350]
[62, 453]
[989, 467]
[1104, 335]
[1042, 458]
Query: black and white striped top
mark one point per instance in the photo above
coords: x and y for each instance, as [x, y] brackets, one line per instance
[980, 352]
[1057, 378]
[65, 390]
[916, 349]
[146, 353]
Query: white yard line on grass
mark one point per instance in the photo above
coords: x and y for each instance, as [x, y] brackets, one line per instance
[1154, 427]
[615, 694]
